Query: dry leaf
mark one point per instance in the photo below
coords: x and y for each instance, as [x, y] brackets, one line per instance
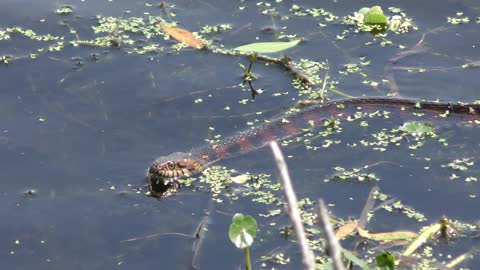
[184, 36]
[362, 232]
[395, 235]
[345, 230]
[422, 238]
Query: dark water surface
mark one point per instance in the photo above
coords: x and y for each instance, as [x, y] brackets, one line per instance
[80, 126]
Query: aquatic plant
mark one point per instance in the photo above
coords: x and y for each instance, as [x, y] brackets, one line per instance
[242, 233]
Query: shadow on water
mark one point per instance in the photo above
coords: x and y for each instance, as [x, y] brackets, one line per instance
[80, 126]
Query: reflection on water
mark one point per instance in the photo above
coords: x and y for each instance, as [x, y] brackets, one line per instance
[81, 125]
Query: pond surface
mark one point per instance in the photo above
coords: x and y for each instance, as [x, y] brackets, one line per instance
[81, 124]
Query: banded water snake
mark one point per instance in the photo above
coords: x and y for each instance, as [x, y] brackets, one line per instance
[163, 172]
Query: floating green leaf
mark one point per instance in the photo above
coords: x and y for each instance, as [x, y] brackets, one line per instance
[242, 230]
[267, 47]
[375, 10]
[373, 15]
[241, 179]
[376, 18]
[385, 261]
[417, 128]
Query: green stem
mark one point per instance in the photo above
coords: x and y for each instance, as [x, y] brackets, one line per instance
[247, 259]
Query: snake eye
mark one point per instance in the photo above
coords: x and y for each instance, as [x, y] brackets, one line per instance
[171, 165]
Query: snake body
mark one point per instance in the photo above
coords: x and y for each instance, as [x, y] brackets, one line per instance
[313, 116]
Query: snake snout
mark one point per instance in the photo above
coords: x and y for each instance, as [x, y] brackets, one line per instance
[154, 168]
[159, 186]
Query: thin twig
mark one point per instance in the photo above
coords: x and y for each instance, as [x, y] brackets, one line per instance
[154, 236]
[292, 207]
[200, 233]
[416, 49]
[427, 69]
[332, 242]
[388, 69]
[322, 91]
[369, 204]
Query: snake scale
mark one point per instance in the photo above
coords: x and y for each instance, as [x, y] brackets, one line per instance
[164, 171]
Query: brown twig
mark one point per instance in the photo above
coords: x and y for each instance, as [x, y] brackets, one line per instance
[285, 63]
[292, 207]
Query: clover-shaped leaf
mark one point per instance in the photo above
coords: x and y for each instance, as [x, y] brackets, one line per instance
[242, 230]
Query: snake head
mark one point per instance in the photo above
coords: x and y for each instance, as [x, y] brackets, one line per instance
[164, 172]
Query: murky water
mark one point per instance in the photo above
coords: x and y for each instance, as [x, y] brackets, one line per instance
[79, 127]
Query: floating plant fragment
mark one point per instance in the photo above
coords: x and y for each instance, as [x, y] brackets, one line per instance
[183, 36]
[267, 47]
